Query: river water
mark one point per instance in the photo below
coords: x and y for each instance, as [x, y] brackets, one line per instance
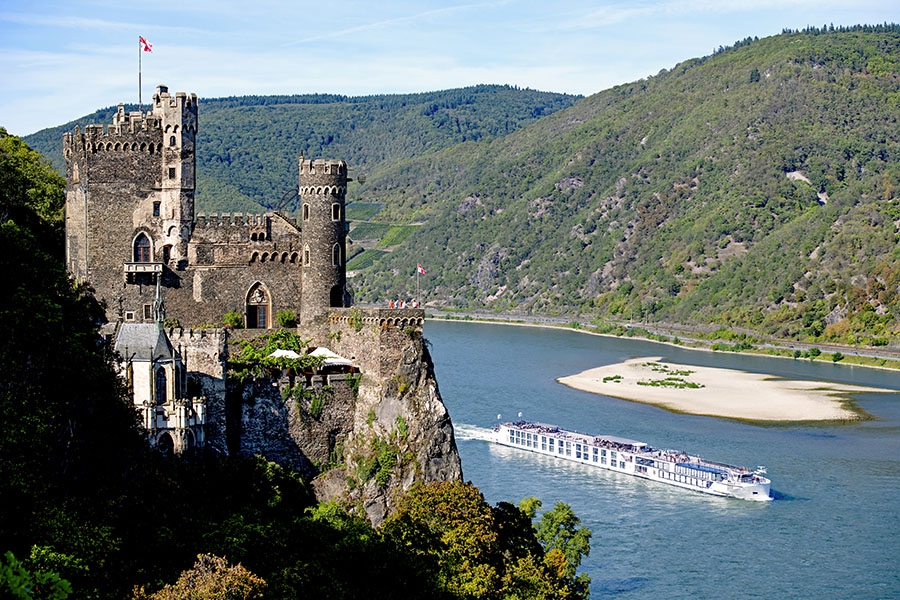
[833, 530]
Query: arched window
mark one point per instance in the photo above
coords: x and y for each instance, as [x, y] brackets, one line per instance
[166, 444]
[171, 140]
[143, 250]
[306, 212]
[258, 307]
[161, 386]
[336, 255]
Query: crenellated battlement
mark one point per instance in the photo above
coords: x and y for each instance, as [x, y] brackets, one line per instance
[238, 220]
[140, 133]
[380, 318]
[322, 177]
[213, 335]
[321, 166]
[162, 98]
[137, 131]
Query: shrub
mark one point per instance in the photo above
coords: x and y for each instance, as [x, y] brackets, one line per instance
[233, 319]
[286, 318]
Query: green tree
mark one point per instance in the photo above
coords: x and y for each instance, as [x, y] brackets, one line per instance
[60, 396]
[449, 525]
[19, 583]
[212, 578]
[559, 529]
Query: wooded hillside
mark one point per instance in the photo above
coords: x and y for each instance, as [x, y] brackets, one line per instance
[756, 187]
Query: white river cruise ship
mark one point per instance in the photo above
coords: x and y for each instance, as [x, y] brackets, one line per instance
[638, 459]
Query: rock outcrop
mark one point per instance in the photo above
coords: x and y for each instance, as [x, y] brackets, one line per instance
[362, 438]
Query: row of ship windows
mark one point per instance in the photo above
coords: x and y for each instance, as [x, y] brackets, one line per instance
[685, 479]
[530, 440]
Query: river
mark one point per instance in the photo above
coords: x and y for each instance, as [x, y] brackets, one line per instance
[833, 530]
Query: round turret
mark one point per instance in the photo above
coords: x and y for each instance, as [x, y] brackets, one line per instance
[323, 189]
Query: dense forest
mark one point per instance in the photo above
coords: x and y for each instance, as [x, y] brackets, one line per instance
[90, 512]
[248, 146]
[753, 189]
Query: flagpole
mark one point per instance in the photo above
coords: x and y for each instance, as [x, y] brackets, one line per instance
[140, 100]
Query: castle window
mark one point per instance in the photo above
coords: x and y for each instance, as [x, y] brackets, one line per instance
[171, 140]
[165, 444]
[156, 209]
[166, 253]
[171, 172]
[160, 386]
[336, 255]
[306, 256]
[142, 248]
[335, 212]
[148, 312]
[306, 212]
[258, 305]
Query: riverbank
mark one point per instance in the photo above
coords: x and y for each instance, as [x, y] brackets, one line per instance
[884, 358]
[721, 392]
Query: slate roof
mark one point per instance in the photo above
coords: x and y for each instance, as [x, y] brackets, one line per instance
[144, 341]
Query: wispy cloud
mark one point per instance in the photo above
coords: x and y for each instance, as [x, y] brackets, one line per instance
[386, 23]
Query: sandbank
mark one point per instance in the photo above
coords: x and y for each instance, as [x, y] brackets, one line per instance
[720, 392]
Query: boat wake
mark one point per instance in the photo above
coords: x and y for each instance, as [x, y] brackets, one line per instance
[464, 431]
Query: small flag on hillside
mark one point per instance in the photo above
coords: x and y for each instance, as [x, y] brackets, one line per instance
[421, 270]
[147, 46]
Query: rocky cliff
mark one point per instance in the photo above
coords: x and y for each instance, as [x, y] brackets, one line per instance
[360, 438]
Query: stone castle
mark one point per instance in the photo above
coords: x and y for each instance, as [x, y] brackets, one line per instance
[133, 236]
[130, 218]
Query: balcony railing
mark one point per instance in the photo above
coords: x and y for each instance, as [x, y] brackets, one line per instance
[143, 267]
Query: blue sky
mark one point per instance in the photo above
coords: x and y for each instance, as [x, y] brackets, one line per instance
[60, 60]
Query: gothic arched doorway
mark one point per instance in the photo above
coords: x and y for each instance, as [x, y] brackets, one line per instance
[258, 307]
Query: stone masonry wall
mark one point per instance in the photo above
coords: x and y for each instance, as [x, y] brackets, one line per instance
[204, 353]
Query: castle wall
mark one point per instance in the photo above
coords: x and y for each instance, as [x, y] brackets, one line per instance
[203, 354]
[110, 180]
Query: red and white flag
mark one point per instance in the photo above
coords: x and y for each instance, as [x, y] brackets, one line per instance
[147, 46]
[421, 270]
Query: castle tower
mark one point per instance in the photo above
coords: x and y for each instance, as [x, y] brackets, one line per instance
[130, 201]
[323, 189]
[178, 177]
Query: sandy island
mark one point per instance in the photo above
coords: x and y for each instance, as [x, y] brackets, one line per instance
[720, 392]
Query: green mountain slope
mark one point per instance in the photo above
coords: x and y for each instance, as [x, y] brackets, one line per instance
[756, 187]
[248, 146]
